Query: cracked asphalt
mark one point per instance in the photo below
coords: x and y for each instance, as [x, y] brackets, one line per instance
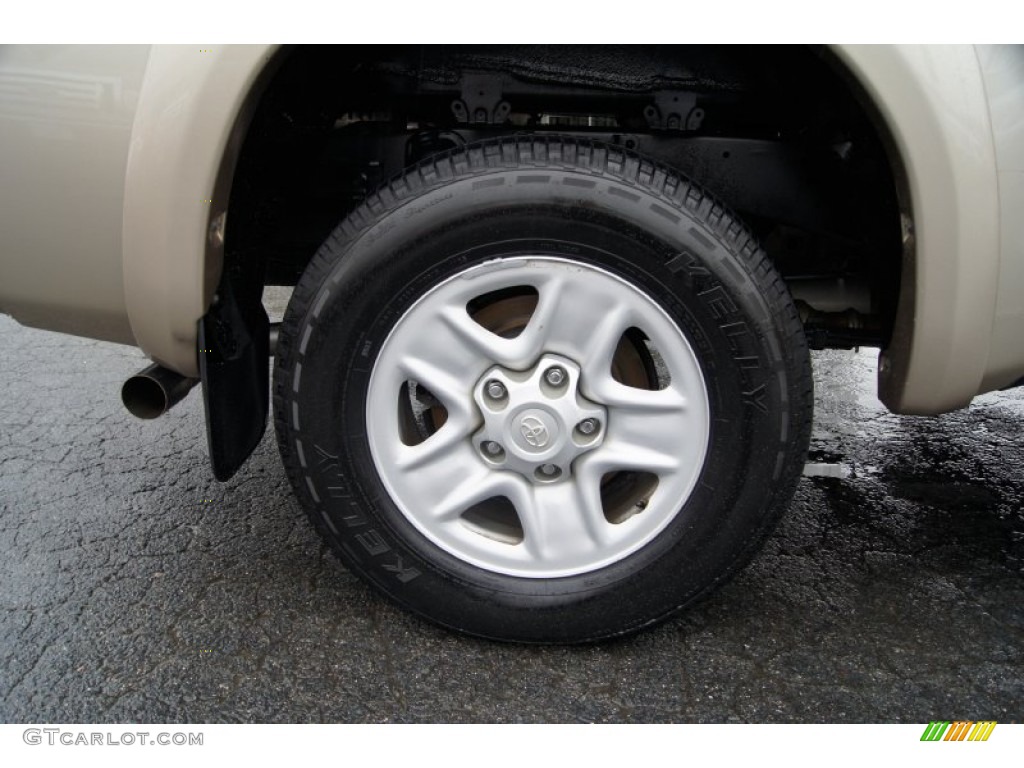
[135, 588]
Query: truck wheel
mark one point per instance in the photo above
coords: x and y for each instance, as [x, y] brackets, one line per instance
[542, 389]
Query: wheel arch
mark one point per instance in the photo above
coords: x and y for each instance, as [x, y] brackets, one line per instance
[929, 106]
[193, 111]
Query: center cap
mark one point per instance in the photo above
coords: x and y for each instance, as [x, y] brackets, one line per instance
[534, 430]
[536, 422]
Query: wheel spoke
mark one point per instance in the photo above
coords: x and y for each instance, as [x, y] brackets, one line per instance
[562, 522]
[433, 450]
[445, 477]
[443, 355]
[473, 488]
[613, 394]
[482, 342]
[577, 319]
[649, 430]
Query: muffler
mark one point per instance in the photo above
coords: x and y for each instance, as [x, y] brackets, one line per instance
[155, 390]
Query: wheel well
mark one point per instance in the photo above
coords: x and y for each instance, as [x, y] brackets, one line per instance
[775, 132]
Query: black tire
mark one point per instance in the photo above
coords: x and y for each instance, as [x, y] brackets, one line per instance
[571, 203]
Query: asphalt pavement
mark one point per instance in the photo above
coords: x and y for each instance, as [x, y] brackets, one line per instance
[135, 588]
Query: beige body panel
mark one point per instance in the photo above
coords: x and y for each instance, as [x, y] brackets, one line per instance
[66, 117]
[933, 101]
[115, 154]
[112, 229]
[191, 104]
[1003, 68]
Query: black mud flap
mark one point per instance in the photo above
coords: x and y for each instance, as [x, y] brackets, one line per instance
[234, 340]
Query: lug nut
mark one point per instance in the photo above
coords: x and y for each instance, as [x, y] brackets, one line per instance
[495, 390]
[554, 376]
[492, 448]
[546, 472]
[587, 426]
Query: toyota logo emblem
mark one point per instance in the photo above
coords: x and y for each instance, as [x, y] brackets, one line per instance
[534, 432]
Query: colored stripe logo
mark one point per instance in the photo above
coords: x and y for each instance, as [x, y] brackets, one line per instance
[960, 730]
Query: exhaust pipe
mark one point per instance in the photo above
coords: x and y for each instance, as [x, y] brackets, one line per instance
[154, 390]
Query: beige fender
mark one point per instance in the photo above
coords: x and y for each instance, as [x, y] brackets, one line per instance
[932, 99]
[192, 114]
